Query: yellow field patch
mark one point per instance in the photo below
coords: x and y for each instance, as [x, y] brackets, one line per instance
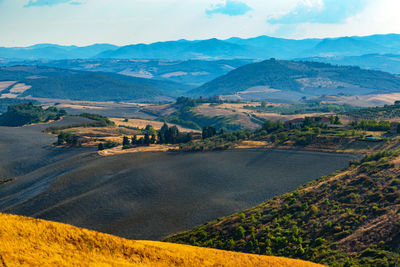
[141, 124]
[77, 106]
[151, 148]
[276, 116]
[33, 242]
[5, 85]
[19, 88]
[252, 144]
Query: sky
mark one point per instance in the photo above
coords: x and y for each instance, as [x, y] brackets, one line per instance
[122, 22]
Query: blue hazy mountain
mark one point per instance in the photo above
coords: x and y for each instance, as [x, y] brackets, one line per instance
[262, 47]
[52, 52]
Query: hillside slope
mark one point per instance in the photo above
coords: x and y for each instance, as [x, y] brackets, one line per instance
[278, 78]
[46, 82]
[348, 218]
[27, 241]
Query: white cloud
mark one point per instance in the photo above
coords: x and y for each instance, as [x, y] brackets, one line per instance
[38, 3]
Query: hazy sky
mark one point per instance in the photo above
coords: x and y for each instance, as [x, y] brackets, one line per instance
[84, 22]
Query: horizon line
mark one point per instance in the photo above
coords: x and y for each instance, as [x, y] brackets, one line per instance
[194, 40]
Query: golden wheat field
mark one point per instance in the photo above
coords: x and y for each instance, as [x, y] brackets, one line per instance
[33, 242]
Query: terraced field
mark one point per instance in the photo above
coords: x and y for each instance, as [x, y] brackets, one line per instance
[144, 195]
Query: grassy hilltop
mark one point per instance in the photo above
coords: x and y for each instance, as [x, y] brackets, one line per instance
[33, 242]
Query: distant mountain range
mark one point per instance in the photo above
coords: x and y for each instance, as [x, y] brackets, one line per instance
[261, 47]
[285, 80]
[51, 51]
[46, 82]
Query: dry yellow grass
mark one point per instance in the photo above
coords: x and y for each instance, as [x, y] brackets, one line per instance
[365, 100]
[32, 242]
[151, 148]
[78, 106]
[6, 84]
[276, 116]
[16, 90]
[19, 88]
[252, 144]
[243, 116]
[139, 123]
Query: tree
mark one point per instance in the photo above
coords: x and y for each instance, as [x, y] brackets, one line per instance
[134, 140]
[146, 139]
[162, 134]
[240, 232]
[317, 130]
[307, 121]
[337, 120]
[153, 139]
[140, 142]
[125, 142]
[100, 146]
[263, 104]
[171, 135]
[271, 126]
[283, 136]
[208, 132]
[75, 141]
[150, 129]
[164, 128]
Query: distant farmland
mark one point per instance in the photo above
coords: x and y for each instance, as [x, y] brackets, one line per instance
[147, 195]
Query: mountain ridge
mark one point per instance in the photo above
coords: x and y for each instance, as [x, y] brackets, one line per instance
[260, 47]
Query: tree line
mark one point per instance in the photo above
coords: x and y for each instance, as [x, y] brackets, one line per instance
[166, 135]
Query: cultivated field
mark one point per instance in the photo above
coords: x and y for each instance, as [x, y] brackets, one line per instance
[246, 117]
[25, 149]
[109, 109]
[32, 242]
[370, 100]
[4, 85]
[146, 195]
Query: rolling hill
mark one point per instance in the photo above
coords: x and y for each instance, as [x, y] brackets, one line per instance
[33, 242]
[193, 72]
[293, 79]
[47, 82]
[350, 218]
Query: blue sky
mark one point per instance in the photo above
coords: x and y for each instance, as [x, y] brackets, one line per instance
[121, 22]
